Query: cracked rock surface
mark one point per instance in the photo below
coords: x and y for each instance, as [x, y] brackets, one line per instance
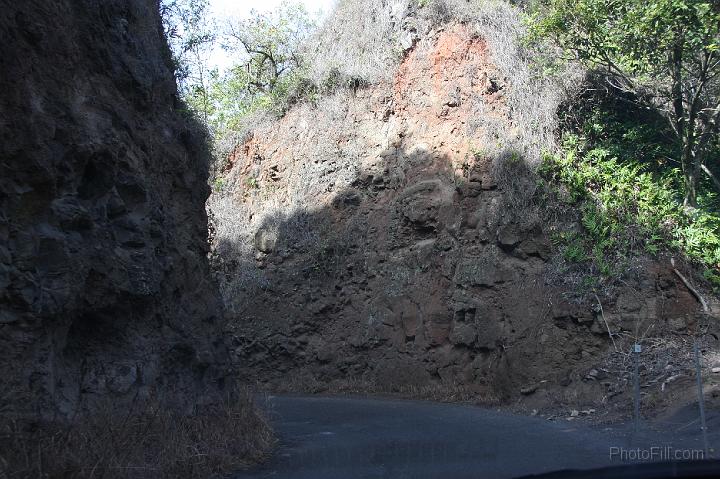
[104, 280]
[371, 242]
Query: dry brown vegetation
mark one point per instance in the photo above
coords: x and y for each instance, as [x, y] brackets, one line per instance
[362, 44]
[366, 41]
[140, 440]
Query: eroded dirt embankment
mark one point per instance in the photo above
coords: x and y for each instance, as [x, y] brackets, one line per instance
[391, 239]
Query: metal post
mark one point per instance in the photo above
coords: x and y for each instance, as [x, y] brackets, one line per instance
[701, 399]
[636, 357]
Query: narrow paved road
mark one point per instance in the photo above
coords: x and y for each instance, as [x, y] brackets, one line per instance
[327, 437]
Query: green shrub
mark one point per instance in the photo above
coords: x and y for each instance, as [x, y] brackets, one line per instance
[627, 207]
[218, 184]
[664, 51]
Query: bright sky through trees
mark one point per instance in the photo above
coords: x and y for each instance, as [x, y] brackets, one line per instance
[222, 9]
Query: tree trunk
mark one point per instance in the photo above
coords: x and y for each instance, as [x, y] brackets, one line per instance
[690, 174]
[695, 151]
[691, 178]
[683, 131]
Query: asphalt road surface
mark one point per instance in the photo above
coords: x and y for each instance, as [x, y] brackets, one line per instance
[344, 438]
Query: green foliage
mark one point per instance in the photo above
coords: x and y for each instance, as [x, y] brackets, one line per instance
[634, 36]
[269, 74]
[270, 46]
[629, 199]
[191, 34]
[252, 183]
[218, 184]
[573, 248]
[665, 52]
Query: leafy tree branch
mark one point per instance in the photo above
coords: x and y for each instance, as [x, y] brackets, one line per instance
[665, 52]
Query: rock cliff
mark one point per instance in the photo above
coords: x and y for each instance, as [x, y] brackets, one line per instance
[392, 238]
[104, 281]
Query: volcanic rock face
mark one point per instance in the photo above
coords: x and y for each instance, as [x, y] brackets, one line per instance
[375, 239]
[104, 282]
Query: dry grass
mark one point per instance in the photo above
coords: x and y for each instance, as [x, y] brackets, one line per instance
[533, 97]
[357, 41]
[362, 43]
[365, 41]
[142, 440]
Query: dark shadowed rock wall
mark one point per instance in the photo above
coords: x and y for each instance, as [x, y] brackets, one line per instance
[104, 284]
